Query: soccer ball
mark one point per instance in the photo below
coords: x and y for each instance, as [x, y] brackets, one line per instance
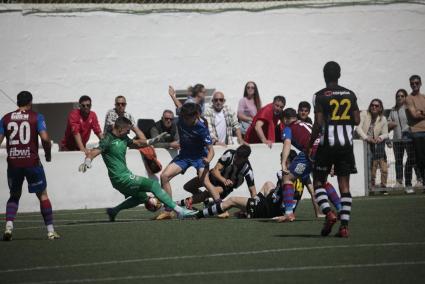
[152, 204]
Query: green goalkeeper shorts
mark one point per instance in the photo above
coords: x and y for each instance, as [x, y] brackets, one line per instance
[135, 186]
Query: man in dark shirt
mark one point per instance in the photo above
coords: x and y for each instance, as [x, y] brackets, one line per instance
[166, 124]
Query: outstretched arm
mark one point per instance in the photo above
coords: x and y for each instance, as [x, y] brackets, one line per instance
[90, 155]
[173, 96]
[260, 133]
[252, 191]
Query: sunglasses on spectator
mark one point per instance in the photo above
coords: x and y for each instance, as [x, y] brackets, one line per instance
[218, 100]
[85, 105]
[120, 104]
[168, 118]
[375, 105]
[417, 83]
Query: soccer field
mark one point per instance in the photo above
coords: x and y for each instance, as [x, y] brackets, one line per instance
[386, 245]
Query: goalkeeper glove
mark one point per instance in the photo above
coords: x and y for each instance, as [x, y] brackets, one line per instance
[84, 166]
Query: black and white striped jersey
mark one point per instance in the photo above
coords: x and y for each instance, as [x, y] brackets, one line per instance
[337, 104]
[234, 173]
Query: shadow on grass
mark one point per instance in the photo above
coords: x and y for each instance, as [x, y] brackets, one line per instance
[20, 239]
[315, 236]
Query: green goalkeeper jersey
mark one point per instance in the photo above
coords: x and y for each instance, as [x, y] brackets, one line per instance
[113, 153]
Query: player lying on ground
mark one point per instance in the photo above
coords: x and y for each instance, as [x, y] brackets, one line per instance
[229, 173]
[113, 149]
[21, 129]
[266, 204]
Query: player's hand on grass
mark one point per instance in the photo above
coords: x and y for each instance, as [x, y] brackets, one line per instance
[84, 166]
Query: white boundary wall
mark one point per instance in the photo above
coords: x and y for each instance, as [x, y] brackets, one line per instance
[70, 189]
[60, 57]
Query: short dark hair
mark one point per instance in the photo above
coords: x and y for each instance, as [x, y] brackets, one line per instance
[280, 98]
[189, 110]
[289, 113]
[243, 151]
[84, 98]
[304, 104]
[24, 98]
[120, 97]
[331, 71]
[122, 122]
[292, 155]
[415, 77]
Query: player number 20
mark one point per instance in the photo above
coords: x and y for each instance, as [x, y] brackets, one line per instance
[346, 104]
[20, 133]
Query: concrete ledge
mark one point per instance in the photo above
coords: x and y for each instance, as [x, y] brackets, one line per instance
[69, 189]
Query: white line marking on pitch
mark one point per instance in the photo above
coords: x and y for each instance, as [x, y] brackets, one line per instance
[239, 271]
[224, 254]
[75, 220]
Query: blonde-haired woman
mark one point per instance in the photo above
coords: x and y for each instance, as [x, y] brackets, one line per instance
[373, 129]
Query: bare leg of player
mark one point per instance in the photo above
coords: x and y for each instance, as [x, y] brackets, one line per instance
[316, 208]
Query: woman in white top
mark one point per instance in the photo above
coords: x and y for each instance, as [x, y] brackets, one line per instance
[248, 105]
[397, 122]
[373, 129]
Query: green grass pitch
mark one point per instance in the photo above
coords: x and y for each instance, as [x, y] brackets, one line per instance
[386, 245]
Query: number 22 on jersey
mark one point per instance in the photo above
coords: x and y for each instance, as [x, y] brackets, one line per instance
[340, 106]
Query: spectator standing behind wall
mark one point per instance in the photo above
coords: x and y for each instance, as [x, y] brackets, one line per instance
[248, 106]
[119, 111]
[222, 122]
[80, 123]
[415, 104]
[304, 109]
[263, 127]
[397, 122]
[166, 124]
[373, 129]
[196, 95]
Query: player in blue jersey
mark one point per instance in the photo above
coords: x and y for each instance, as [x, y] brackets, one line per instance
[196, 151]
[296, 133]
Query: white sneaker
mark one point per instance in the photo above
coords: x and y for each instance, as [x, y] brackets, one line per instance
[53, 236]
[7, 236]
[409, 190]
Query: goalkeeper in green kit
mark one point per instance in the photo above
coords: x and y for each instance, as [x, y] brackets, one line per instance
[113, 148]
